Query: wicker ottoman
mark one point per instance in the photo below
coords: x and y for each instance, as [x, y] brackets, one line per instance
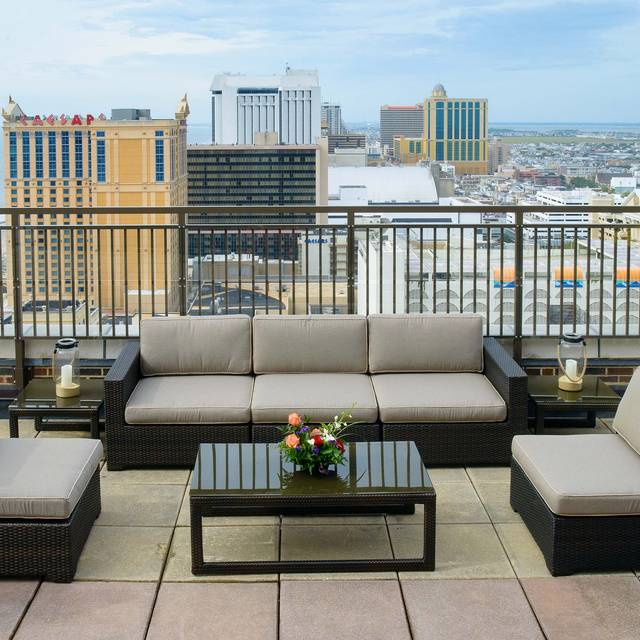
[579, 496]
[49, 499]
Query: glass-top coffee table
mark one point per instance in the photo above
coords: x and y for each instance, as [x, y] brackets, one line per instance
[596, 395]
[253, 479]
[38, 400]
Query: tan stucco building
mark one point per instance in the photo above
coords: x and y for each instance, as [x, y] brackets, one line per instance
[58, 164]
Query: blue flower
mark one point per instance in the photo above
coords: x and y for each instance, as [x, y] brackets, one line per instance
[316, 450]
[298, 448]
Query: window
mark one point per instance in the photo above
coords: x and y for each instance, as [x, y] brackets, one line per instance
[89, 153]
[476, 114]
[78, 153]
[101, 161]
[469, 120]
[449, 120]
[159, 160]
[463, 126]
[26, 154]
[439, 121]
[51, 139]
[13, 156]
[39, 158]
[65, 153]
[440, 150]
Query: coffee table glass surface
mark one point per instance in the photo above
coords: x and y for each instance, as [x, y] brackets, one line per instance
[253, 479]
[259, 469]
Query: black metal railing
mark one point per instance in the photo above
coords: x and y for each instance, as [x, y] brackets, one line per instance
[527, 276]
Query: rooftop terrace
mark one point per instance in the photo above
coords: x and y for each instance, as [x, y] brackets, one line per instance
[134, 578]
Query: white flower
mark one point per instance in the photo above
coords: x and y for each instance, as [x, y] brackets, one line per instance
[330, 439]
[310, 441]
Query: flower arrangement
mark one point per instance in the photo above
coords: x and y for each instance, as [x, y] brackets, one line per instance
[314, 448]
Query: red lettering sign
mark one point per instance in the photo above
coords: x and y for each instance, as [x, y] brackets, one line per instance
[76, 119]
[37, 120]
[102, 117]
[63, 119]
[89, 118]
[23, 119]
[51, 118]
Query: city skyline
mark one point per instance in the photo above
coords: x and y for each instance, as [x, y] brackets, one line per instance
[546, 61]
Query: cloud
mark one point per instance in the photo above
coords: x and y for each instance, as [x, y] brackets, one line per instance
[367, 51]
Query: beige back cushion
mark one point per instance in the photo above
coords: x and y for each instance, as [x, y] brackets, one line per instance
[195, 345]
[310, 344]
[627, 420]
[425, 343]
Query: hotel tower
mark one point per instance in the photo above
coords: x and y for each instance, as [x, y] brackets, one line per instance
[57, 166]
[455, 131]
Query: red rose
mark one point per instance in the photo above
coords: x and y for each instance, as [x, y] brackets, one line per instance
[340, 445]
[317, 440]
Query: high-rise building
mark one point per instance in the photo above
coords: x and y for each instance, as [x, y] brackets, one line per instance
[255, 175]
[407, 150]
[331, 119]
[244, 105]
[497, 154]
[58, 164]
[455, 131]
[407, 121]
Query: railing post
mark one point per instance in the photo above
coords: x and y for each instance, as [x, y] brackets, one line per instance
[351, 246]
[519, 274]
[182, 256]
[18, 339]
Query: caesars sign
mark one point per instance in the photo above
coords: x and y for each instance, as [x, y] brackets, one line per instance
[62, 119]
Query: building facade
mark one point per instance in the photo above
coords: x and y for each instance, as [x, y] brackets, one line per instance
[331, 118]
[455, 131]
[55, 165]
[497, 154]
[254, 175]
[244, 105]
[407, 121]
[407, 150]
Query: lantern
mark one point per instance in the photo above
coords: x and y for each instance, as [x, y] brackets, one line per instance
[66, 361]
[572, 358]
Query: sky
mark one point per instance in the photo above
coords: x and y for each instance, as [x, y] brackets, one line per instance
[534, 60]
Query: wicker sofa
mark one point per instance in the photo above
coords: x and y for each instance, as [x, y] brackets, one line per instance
[579, 495]
[431, 379]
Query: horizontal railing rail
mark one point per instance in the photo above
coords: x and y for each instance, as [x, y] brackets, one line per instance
[99, 276]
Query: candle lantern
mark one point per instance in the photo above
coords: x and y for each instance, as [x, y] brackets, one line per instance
[66, 361]
[572, 358]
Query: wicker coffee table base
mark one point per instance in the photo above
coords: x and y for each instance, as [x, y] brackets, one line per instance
[206, 506]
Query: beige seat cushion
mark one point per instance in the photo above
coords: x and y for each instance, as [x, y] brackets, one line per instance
[627, 420]
[437, 397]
[425, 343]
[310, 344]
[191, 400]
[45, 477]
[582, 475]
[196, 345]
[320, 396]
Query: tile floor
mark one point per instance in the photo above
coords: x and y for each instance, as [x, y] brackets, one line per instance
[134, 578]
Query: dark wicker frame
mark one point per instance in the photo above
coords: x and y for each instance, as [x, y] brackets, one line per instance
[146, 445]
[49, 548]
[459, 443]
[571, 544]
